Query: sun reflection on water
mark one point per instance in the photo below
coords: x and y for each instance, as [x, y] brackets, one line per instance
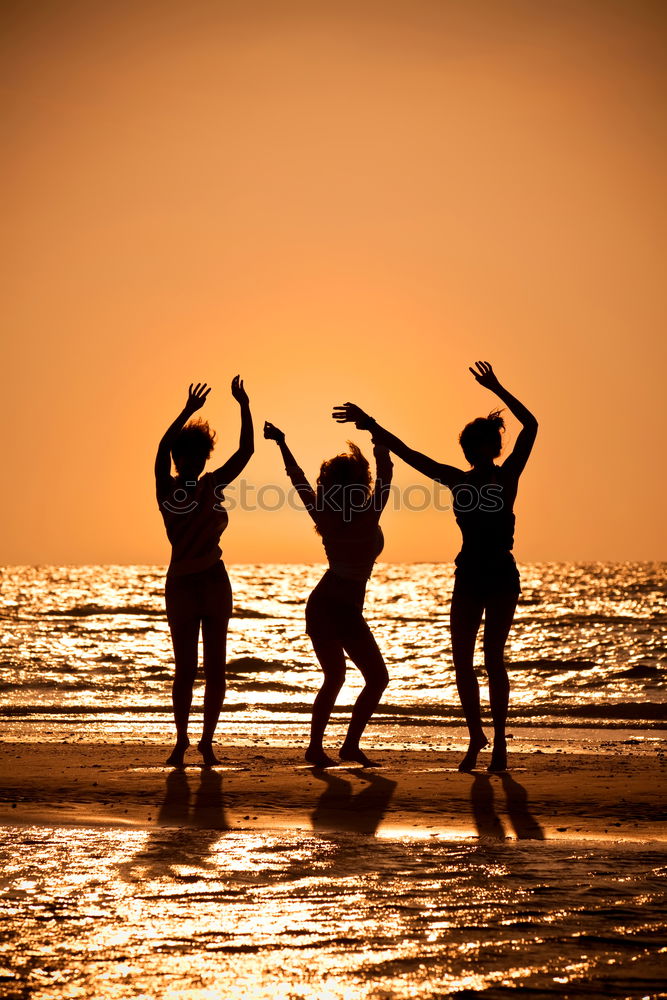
[96, 638]
[195, 907]
[193, 912]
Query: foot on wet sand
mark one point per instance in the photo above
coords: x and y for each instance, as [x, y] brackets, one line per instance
[177, 755]
[498, 756]
[470, 759]
[318, 758]
[207, 752]
[350, 752]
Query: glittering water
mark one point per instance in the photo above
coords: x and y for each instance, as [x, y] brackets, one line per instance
[189, 909]
[200, 914]
[92, 642]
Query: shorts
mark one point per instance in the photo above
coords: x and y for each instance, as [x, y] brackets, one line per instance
[335, 609]
[485, 581]
[207, 594]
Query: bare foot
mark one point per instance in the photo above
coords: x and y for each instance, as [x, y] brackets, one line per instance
[470, 759]
[349, 751]
[498, 756]
[318, 758]
[206, 750]
[177, 755]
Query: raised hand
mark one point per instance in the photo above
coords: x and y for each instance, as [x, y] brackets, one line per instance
[271, 433]
[351, 413]
[238, 392]
[485, 375]
[197, 396]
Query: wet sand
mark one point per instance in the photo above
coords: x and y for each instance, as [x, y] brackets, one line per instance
[617, 794]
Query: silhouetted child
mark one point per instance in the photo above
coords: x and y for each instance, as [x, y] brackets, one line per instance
[346, 512]
[486, 579]
[197, 590]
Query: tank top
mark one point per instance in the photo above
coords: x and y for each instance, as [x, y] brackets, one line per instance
[486, 519]
[353, 547]
[194, 519]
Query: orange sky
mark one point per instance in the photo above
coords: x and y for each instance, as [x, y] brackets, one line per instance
[340, 200]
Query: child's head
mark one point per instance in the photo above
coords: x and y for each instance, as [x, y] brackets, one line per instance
[191, 449]
[344, 483]
[481, 439]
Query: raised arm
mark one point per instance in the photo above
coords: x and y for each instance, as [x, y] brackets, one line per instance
[195, 401]
[237, 462]
[293, 469]
[516, 460]
[448, 475]
[384, 471]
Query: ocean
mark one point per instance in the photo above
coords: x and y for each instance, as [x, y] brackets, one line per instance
[198, 914]
[193, 907]
[88, 648]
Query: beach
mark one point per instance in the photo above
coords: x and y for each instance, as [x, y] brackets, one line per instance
[616, 793]
[423, 237]
[262, 877]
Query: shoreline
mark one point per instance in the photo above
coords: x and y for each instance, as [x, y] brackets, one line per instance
[615, 794]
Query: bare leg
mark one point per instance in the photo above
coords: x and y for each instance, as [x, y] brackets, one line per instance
[366, 656]
[214, 634]
[465, 619]
[498, 621]
[331, 656]
[185, 637]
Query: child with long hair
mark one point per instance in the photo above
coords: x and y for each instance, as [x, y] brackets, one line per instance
[346, 510]
[198, 594]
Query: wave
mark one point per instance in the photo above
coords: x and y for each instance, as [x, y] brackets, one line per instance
[640, 672]
[95, 610]
[374, 615]
[250, 613]
[245, 683]
[650, 710]
[556, 620]
[270, 685]
[276, 717]
[162, 710]
[85, 610]
[253, 665]
[378, 618]
[58, 687]
[646, 711]
[550, 664]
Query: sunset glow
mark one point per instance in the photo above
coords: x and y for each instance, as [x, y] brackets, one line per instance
[301, 698]
[348, 201]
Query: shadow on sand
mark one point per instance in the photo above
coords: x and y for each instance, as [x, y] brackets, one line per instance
[170, 845]
[341, 809]
[488, 823]
[206, 811]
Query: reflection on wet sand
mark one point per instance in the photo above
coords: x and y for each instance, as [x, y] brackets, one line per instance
[488, 823]
[342, 810]
[175, 807]
[352, 800]
[208, 809]
[164, 853]
[526, 826]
